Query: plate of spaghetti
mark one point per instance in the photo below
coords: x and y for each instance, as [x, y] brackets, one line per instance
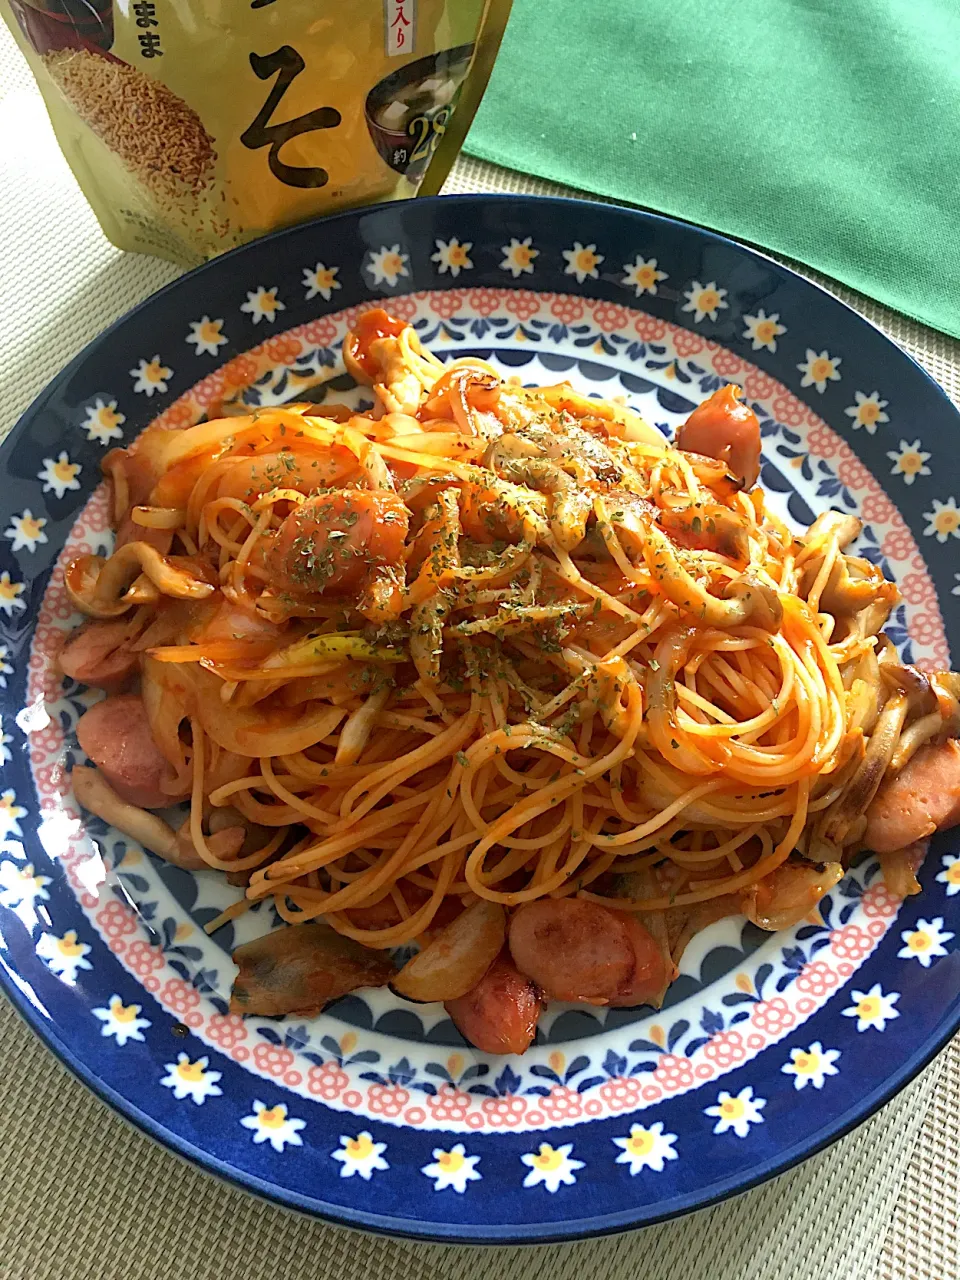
[481, 761]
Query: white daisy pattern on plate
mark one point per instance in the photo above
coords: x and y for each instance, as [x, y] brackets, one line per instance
[736, 1111]
[552, 1167]
[925, 942]
[5, 667]
[263, 304]
[21, 889]
[59, 474]
[763, 330]
[10, 593]
[320, 281]
[643, 275]
[704, 300]
[191, 1079]
[867, 411]
[518, 256]
[955, 591]
[452, 256]
[6, 755]
[582, 261]
[811, 1066]
[388, 264]
[646, 1148]
[64, 956]
[873, 1009]
[819, 369]
[122, 1021]
[943, 521]
[274, 1125]
[26, 531]
[10, 813]
[950, 875]
[360, 1156]
[909, 461]
[151, 377]
[206, 336]
[103, 421]
[453, 1168]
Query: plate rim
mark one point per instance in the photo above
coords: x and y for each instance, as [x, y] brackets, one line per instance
[342, 1215]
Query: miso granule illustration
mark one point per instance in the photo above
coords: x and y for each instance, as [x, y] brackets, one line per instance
[154, 133]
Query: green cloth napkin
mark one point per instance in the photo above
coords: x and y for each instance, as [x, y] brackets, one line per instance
[827, 130]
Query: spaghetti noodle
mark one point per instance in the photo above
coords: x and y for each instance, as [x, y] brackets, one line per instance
[495, 645]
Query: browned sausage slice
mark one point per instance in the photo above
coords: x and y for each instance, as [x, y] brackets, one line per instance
[95, 654]
[572, 949]
[922, 798]
[499, 1014]
[115, 734]
[653, 970]
[334, 539]
[725, 428]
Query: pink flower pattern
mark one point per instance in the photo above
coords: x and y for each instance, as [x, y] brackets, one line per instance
[116, 920]
[320, 333]
[610, 317]
[773, 1016]
[447, 303]
[523, 304]
[816, 978]
[327, 1081]
[850, 943]
[562, 1103]
[273, 1059]
[449, 1103]
[727, 364]
[505, 1112]
[227, 1030]
[621, 1094]
[387, 1100]
[673, 1072]
[687, 343]
[725, 1048]
[649, 328]
[566, 308]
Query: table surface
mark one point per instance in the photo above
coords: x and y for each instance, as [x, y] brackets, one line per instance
[83, 1195]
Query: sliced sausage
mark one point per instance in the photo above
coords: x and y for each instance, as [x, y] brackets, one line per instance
[305, 470]
[725, 428]
[96, 653]
[499, 1014]
[572, 949]
[922, 798]
[115, 734]
[333, 540]
[653, 970]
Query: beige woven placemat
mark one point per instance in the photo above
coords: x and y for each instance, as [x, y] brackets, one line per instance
[83, 1196]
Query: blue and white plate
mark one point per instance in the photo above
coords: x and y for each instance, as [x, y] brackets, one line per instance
[376, 1113]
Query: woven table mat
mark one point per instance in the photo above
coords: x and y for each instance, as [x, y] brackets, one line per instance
[82, 1195]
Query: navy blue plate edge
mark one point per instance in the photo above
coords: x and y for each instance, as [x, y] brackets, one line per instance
[575, 1229]
[437, 1232]
[465, 199]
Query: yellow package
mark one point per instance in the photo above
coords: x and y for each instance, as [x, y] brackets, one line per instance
[195, 125]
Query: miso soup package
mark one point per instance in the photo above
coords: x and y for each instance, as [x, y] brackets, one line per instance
[194, 125]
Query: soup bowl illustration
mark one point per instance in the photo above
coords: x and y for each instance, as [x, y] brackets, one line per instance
[407, 111]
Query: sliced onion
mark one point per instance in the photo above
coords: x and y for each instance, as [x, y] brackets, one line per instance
[457, 958]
